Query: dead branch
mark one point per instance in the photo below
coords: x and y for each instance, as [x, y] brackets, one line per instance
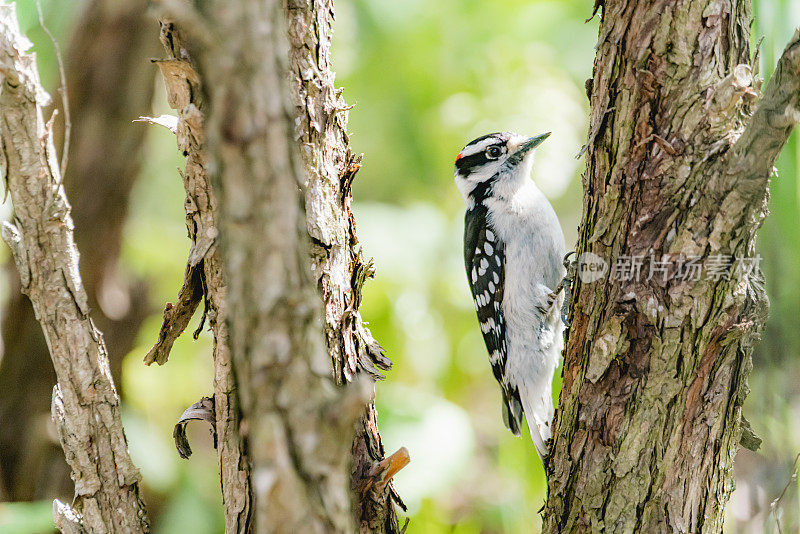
[85, 403]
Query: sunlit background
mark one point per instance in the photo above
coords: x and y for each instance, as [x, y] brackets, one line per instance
[425, 78]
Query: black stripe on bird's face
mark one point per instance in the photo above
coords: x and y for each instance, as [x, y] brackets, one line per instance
[467, 164]
[481, 151]
[496, 135]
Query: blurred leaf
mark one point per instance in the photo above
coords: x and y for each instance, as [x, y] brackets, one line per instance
[27, 517]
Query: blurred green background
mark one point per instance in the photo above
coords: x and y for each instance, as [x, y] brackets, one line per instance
[425, 78]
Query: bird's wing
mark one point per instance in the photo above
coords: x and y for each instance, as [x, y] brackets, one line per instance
[484, 258]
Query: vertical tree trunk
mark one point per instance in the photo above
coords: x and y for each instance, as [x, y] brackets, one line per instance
[298, 424]
[285, 396]
[656, 367]
[109, 81]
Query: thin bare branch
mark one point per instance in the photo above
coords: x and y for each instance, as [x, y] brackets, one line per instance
[773, 506]
[62, 91]
[85, 405]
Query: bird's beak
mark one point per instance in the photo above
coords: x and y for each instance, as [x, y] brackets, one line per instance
[525, 147]
[532, 143]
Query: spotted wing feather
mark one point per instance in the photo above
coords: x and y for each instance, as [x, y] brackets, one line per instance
[484, 258]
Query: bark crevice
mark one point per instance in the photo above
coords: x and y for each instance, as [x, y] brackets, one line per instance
[655, 370]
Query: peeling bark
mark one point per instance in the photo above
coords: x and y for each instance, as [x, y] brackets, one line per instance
[655, 370]
[203, 280]
[338, 264]
[85, 404]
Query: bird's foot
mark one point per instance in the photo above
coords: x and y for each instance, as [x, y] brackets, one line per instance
[566, 284]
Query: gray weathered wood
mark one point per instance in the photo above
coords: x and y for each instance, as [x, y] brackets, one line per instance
[85, 403]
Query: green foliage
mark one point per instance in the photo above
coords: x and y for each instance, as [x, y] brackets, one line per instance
[26, 517]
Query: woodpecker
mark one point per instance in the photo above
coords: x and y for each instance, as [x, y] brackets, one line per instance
[513, 250]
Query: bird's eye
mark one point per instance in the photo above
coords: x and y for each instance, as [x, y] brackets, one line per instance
[494, 152]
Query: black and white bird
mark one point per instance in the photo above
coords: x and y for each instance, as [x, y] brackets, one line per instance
[513, 250]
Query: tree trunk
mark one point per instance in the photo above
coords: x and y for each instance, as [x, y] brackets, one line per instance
[286, 394]
[656, 365]
[296, 423]
[109, 80]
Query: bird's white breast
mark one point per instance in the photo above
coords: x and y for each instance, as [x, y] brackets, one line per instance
[534, 249]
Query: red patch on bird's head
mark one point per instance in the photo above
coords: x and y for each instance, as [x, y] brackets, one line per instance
[458, 157]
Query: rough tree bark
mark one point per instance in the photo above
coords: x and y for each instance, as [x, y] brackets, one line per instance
[109, 79]
[335, 260]
[338, 264]
[203, 279]
[294, 418]
[85, 405]
[656, 369]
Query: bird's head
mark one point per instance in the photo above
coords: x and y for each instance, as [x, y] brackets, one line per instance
[496, 159]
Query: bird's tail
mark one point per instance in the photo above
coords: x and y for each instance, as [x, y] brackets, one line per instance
[539, 440]
[539, 413]
[512, 410]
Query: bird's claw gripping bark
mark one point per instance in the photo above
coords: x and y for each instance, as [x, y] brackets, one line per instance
[564, 285]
